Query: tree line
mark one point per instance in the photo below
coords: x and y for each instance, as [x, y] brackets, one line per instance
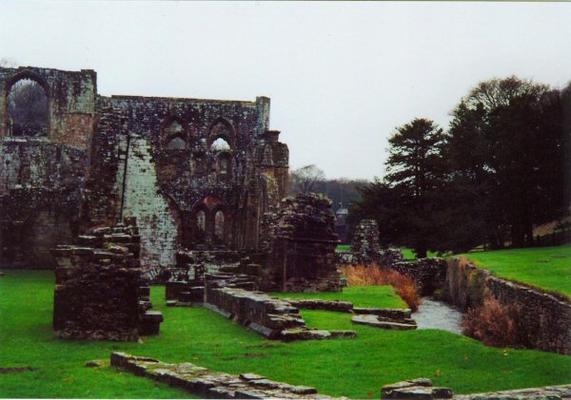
[341, 191]
[501, 167]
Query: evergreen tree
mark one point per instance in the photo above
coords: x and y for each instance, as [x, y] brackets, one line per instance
[415, 171]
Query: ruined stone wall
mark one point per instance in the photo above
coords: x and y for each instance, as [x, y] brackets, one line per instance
[168, 184]
[544, 319]
[365, 245]
[71, 102]
[104, 158]
[40, 197]
[98, 293]
[42, 178]
[300, 242]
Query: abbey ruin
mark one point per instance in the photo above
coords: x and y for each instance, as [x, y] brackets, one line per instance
[195, 173]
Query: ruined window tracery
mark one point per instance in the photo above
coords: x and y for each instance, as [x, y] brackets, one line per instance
[28, 111]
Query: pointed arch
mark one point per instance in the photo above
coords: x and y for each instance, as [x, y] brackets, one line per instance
[174, 133]
[221, 128]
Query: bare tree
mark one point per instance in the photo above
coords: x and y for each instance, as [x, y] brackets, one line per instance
[305, 178]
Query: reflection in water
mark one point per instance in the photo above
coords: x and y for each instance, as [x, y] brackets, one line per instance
[434, 314]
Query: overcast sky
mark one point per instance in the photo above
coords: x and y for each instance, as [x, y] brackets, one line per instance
[341, 76]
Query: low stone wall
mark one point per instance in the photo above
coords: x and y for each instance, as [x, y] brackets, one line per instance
[428, 273]
[421, 388]
[268, 316]
[544, 320]
[210, 384]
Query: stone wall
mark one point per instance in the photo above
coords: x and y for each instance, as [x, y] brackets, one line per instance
[40, 198]
[207, 384]
[421, 388]
[42, 176]
[99, 293]
[106, 158]
[544, 319]
[300, 241]
[270, 317]
[71, 102]
[144, 201]
[428, 273]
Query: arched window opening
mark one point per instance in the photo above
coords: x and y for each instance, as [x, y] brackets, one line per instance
[220, 144]
[201, 221]
[176, 143]
[28, 109]
[219, 225]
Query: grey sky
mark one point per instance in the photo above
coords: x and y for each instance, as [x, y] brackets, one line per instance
[341, 76]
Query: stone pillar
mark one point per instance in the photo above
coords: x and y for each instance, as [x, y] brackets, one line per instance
[365, 245]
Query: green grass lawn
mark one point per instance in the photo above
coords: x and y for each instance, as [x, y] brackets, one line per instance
[343, 247]
[548, 268]
[360, 296]
[351, 367]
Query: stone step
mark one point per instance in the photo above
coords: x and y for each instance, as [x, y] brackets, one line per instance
[394, 313]
[318, 304]
[372, 320]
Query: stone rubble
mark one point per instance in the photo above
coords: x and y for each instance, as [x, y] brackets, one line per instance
[204, 383]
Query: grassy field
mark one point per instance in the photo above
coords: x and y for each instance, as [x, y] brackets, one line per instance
[548, 268]
[360, 296]
[351, 367]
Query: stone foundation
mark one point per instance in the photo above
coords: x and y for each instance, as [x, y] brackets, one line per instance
[209, 384]
[99, 293]
[270, 317]
[421, 388]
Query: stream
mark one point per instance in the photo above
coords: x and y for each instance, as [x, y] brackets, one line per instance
[433, 314]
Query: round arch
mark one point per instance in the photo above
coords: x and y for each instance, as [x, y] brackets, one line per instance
[32, 76]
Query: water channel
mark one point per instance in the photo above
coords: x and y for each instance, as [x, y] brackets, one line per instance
[433, 314]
